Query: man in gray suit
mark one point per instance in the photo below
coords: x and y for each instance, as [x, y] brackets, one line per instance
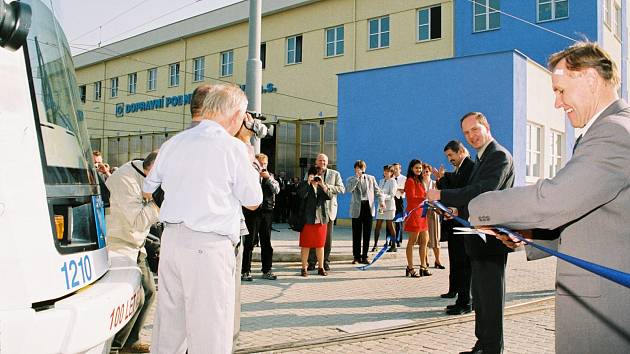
[333, 181]
[493, 170]
[364, 191]
[586, 203]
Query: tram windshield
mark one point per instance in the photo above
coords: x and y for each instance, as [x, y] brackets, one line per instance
[67, 154]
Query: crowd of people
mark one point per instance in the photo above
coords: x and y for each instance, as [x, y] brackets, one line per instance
[227, 192]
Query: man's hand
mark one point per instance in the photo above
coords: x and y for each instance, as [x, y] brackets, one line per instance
[508, 241]
[245, 134]
[264, 174]
[433, 194]
[147, 197]
[103, 168]
[438, 173]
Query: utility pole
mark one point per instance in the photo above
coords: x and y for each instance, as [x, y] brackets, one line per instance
[253, 81]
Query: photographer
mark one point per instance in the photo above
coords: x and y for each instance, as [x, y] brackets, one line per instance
[259, 223]
[128, 225]
[103, 173]
[207, 175]
[312, 219]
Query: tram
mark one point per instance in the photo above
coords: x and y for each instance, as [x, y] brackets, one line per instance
[61, 291]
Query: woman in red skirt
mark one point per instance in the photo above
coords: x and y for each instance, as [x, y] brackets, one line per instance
[415, 225]
[312, 195]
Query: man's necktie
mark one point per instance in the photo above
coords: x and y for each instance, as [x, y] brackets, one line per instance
[577, 141]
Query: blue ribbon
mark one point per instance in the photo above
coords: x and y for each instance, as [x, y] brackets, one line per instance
[611, 274]
[378, 255]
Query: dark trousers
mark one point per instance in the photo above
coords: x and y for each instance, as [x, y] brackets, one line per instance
[399, 225]
[252, 221]
[488, 291]
[460, 271]
[130, 334]
[362, 226]
[312, 257]
[264, 234]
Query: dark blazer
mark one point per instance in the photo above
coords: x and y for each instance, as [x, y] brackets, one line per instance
[495, 171]
[309, 202]
[457, 179]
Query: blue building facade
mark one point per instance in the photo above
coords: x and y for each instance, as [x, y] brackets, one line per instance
[581, 23]
[399, 113]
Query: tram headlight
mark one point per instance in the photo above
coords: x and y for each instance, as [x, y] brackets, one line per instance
[15, 22]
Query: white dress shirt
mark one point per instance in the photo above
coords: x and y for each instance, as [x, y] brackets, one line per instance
[207, 176]
[400, 182]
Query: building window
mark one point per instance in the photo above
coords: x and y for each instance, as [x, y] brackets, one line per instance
[310, 142]
[330, 142]
[263, 54]
[132, 80]
[556, 142]
[607, 12]
[379, 32]
[294, 49]
[97, 91]
[198, 68]
[430, 23]
[227, 63]
[114, 87]
[334, 41]
[533, 147]
[552, 9]
[286, 149]
[151, 79]
[173, 74]
[82, 92]
[616, 25]
[486, 15]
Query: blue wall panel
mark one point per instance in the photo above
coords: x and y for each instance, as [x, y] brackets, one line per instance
[534, 42]
[411, 111]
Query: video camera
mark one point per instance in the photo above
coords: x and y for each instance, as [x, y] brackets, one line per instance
[260, 130]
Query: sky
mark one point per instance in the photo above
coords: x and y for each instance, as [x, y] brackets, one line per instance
[88, 22]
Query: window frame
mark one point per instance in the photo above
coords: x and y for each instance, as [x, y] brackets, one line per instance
[553, 10]
[295, 49]
[199, 70]
[83, 93]
[554, 155]
[428, 24]
[226, 68]
[617, 21]
[97, 90]
[486, 14]
[132, 83]
[608, 13]
[149, 79]
[379, 34]
[529, 152]
[113, 83]
[335, 41]
[173, 76]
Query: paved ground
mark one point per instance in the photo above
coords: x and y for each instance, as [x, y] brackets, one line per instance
[293, 311]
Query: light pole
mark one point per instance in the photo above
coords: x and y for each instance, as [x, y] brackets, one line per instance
[253, 81]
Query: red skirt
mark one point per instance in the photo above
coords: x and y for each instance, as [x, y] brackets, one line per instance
[415, 222]
[313, 235]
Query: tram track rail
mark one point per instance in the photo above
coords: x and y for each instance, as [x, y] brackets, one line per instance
[513, 310]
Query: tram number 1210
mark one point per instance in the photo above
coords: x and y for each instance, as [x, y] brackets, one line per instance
[77, 272]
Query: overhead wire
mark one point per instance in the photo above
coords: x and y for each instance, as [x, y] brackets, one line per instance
[112, 19]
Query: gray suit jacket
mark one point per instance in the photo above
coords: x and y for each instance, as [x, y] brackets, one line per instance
[373, 191]
[589, 198]
[335, 186]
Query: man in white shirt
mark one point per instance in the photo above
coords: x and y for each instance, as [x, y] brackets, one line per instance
[128, 225]
[400, 204]
[207, 175]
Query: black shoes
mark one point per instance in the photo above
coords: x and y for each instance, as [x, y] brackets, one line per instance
[269, 276]
[364, 260]
[322, 272]
[439, 266]
[410, 272]
[424, 272]
[354, 261]
[473, 351]
[303, 273]
[246, 277]
[311, 267]
[448, 295]
[458, 310]
[326, 267]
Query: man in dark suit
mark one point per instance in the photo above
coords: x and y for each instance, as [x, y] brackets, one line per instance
[493, 170]
[460, 272]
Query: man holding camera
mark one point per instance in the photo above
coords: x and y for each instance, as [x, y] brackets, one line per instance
[259, 223]
[128, 226]
[334, 186]
[207, 175]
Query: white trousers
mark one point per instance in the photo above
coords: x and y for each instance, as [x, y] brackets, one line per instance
[195, 302]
